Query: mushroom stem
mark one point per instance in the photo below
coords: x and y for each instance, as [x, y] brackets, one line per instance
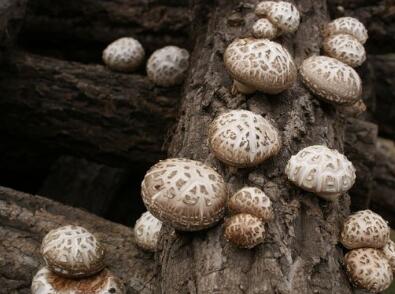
[241, 88]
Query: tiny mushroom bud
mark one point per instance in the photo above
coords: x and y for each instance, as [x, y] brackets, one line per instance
[124, 54]
[244, 230]
[47, 282]
[331, 80]
[347, 25]
[285, 16]
[322, 171]
[184, 193]
[263, 8]
[168, 66]
[72, 251]
[241, 138]
[264, 29]
[253, 201]
[345, 48]
[389, 253]
[364, 229]
[367, 268]
[259, 65]
[146, 232]
[355, 109]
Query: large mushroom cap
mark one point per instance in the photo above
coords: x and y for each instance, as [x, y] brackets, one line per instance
[186, 194]
[260, 64]
[322, 171]
[264, 29]
[368, 269]
[389, 253]
[47, 282]
[263, 8]
[72, 251]
[347, 25]
[242, 138]
[364, 229]
[345, 48]
[146, 232]
[331, 80]
[285, 16]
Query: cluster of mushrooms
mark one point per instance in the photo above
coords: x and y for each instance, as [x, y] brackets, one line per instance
[74, 260]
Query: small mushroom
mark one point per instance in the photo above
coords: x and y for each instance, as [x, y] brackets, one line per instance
[263, 8]
[241, 138]
[389, 253]
[264, 29]
[367, 268]
[253, 201]
[345, 48]
[331, 80]
[284, 15]
[244, 230]
[72, 251]
[322, 171]
[364, 229]
[146, 232]
[47, 282]
[353, 110]
[184, 193]
[259, 65]
[168, 66]
[347, 25]
[124, 54]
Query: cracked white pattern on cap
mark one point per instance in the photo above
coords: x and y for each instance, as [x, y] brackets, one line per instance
[72, 251]
[264, 29]
[364, 229]
[260, 64]
[321, 170]
[168, 66]
[46, 282]
[242, 138]
[253, 201]
[262, 8]
[347, 25]
[367, 268]
[184, 193]
[331, 80]
[345, 48]
[389, 253]
[285, 16]
[146, 231]
[124, 54]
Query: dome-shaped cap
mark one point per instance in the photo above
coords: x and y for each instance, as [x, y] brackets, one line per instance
[47, 282]
[242, 138]
[322, 171]
[244, 230]
[364, 229]
[389, 253]
[285, 16]
[146, 232]
[345, 48]
[331, 80]
[72, 251]
[347, 25]
[253, 201]
[168, 66]
[184, 193]
[260, 64]
[124, 54]
[263, 8]
[264, 29]
[367, 268]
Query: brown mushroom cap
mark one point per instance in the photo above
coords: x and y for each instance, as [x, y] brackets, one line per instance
[285, 16]
[184, 193]
[264, 29]
[389, 253]
[263, 8]
[347, 25]
[345, 48]
[353, 110]
[331, 80]
[146, 232]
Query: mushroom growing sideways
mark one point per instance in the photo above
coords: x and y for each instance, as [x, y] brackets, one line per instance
[184, 193]
[146, 232]
[347, 25]
[322, 171]
[259, 65]
[345, 48]
[72, 251]
[241, 138]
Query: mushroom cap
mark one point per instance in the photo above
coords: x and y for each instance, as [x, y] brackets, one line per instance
[72, 251]
[244, 230]
[285, 16]
[184, 193]
[331, 80]
[241, 138]
[264, 29]
[355, 109]
[345, 48]
[146, 232]
[168, 66]
[321, 170]
[262, 8]
[347, 25]
[367, 268]
[124, 54]
[47, 282]
[261, 64]
[253, 201]
[389, 253]
[364, 229]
